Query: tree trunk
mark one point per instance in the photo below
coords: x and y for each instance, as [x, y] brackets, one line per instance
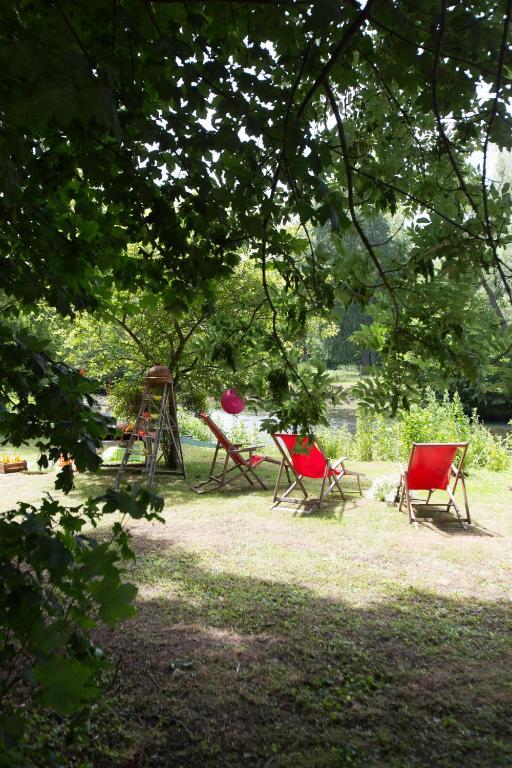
[494, 303]
[367, 359]
[171, 454]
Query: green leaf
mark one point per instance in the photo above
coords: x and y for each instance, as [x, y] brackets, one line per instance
[67, 684]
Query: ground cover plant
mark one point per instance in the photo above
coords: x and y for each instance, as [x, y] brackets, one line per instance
[340, 638]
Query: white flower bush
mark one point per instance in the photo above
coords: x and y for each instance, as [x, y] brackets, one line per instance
[384, 488]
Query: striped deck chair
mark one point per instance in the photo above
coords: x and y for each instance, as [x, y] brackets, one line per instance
[240, 457]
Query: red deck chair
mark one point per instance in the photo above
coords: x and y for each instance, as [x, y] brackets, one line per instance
[246, 465]
[431, 468]
[309, 461]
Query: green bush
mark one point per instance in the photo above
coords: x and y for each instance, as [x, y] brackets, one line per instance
[487, 450]
[444, 421]
[435, 420]
[57, 584]
[366, 424]
[124, 397]
[241, 432]
[336, 442]
[192, 426]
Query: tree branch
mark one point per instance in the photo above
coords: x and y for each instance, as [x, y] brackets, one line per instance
[343, 45]
[351, 203]
[499, 81]
[140, 344]
[435, 106]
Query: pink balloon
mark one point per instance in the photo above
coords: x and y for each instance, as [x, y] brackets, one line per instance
[232, 402]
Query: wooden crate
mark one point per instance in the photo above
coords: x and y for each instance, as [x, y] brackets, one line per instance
[14, 466]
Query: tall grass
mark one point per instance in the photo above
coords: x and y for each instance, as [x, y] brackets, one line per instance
[435, 420]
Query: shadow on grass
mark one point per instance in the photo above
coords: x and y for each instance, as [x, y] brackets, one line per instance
[227, 670]
[333, 508]
[454, 528]
[177, 489]
[448, 524]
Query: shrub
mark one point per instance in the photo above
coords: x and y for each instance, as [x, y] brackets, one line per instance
[366, 424]
[336, 442]
[435, 420]
[191, 425]
[57, 584]
[375, 438]
[242, 432]
[444, 421]
[487, 450]
[124, 397]
[236, 431]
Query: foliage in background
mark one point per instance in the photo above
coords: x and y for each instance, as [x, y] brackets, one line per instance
[191, 426]
[377, 438]
[205, 347]
[471, 345]
[340, 350]
[58, 582]
[124, 398]
[237, 430]
[47, 401]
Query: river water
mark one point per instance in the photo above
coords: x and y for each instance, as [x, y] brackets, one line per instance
[337, 417]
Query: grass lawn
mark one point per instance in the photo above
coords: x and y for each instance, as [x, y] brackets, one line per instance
[342, 638]
[345, 375]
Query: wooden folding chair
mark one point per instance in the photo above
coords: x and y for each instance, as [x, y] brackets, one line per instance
[306, 459]
[431, 467]
[246, 465]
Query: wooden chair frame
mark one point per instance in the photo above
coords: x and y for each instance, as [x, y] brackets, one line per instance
[456, 475]
[334, 472]
[245, 465]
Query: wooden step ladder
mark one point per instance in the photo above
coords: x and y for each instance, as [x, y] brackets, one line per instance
[152, 426]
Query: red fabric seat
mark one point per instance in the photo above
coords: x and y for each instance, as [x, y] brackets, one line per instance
[430, 466]
[434, 467]
[309, 461]
[306, 459]
[242, 457]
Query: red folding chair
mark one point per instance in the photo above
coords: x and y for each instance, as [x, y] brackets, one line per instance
[433, 467]
[305, 458]
[246, 465]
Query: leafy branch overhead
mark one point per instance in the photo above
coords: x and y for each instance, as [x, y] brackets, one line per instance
[196, 128]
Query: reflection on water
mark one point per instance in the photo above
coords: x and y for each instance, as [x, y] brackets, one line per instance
[340, 417]
[498, 428]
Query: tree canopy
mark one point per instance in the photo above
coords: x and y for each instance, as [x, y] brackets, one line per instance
[195, 128]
